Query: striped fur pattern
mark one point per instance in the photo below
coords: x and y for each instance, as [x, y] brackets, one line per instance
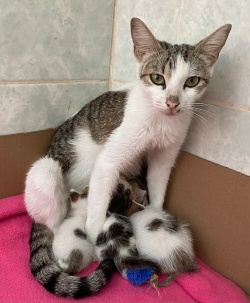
[117, 242]
[55, 255]
[46, 270]
[150, 117]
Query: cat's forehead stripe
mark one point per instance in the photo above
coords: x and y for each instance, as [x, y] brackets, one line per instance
[166, 60]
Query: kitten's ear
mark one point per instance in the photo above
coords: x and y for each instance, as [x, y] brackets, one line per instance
[139, 195]
[144, 41]
[74, 195]
[211, 46]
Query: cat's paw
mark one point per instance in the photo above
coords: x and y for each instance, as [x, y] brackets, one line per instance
[92, 233]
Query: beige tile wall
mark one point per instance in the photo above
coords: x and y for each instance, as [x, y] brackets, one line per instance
[223, 135]
[56, 56]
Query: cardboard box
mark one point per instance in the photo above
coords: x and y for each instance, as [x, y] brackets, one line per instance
[214, 200]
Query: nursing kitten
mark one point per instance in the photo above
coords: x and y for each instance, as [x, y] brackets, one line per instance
[114, 133]
[72, 250]
[162, 238]
[56, 255]
[117, 242]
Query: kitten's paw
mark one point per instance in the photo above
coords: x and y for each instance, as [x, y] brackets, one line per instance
[62, 264]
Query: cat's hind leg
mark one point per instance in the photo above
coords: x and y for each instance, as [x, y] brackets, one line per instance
[46, 196]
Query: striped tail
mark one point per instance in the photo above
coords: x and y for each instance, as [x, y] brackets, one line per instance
[45, 269]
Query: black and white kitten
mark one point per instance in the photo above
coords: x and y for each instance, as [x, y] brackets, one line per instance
[114, 133]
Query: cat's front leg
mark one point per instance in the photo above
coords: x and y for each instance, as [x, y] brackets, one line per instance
[103, 182]
[160, 163]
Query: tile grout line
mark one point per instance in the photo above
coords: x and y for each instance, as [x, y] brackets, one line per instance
[112, 53]
[227, 104]
[65, 81]
[178, 21]
[120, 81]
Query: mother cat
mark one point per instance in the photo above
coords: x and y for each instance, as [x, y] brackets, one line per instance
[114, 133]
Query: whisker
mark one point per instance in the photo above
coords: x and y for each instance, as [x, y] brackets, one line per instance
[204, 112]
[200, 117]
[195, 116]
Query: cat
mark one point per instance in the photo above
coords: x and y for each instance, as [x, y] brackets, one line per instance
[56, 255]
[116, 132]
[71, 248]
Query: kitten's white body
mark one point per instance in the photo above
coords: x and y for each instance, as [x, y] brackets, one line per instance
[163, 246]
[65, 241]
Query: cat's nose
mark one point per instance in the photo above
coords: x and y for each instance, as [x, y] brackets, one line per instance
[172, 102]
[172, 105]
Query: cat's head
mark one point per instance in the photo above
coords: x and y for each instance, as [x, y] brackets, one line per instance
[175, 76]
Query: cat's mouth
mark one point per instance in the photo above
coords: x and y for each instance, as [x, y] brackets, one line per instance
[172, 112]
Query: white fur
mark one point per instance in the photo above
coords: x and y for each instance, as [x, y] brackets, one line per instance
[160, 245]
[147, 130]
[86, 150]
[108, 222]
[45, 193]
[65, 241]
[123, 251]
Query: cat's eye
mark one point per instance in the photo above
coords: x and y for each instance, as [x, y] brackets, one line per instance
[157, 79]
[192, 81]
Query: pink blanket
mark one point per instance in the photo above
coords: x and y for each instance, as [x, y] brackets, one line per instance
[18, 285]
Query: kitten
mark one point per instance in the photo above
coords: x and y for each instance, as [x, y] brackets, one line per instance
[71, 247]
[117, 242]
[94, 146]
[162, 238]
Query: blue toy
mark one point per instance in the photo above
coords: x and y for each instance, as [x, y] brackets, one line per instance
[139, 276]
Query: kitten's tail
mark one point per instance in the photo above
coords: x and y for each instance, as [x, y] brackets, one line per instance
[46, 270]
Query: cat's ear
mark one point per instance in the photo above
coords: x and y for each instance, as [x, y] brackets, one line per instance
[210, 47]
[74, 195]
[139, 195]
[144, 41]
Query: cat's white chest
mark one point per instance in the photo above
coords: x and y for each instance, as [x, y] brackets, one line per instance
[163, 131]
